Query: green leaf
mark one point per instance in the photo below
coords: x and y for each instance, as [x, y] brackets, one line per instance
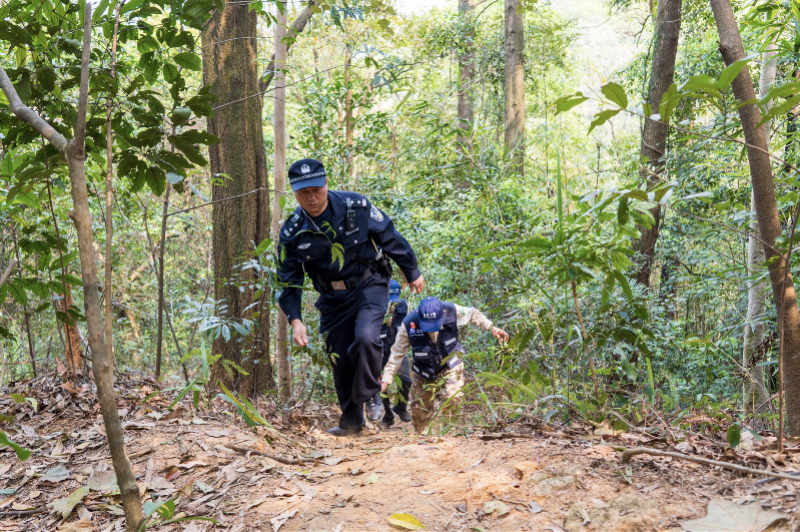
[622, 211]
[615, 93]
[22, 453]
[170, 72]
[156, 179]
[407, 521]
[146, 44]
[565, 103]
[727, 76]
[602, 117]
[64, 506]
[165, 509]
[189, 61]
[669, 100]
[734, 435]
[180, 116]
[626, 287]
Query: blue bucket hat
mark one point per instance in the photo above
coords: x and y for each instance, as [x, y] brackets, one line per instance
[431, 315]
[306, 173]
[394, 291]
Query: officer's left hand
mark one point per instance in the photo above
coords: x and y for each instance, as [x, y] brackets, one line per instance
[500, 334]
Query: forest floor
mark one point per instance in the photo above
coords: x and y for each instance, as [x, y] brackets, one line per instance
[530, 475]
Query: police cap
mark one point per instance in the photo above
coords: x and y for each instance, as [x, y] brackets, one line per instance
[306, 173]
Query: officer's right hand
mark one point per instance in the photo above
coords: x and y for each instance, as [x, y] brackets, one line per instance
[418, 285]
[299, 333]
[383, 387]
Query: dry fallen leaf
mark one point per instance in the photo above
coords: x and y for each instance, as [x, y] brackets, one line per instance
[56, 474]
[499, 507]
[606, 452]
[175, 414]
[102, 481]
[64, 506]
[84, 525]
[278, 521]
[217, 433]
[407, 521]
[726, 516]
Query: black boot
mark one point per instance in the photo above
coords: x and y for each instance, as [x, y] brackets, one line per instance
[349, 431]
[402, 412]
[388, 416]
[375, 408]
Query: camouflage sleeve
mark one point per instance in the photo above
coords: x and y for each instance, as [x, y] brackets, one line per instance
[400, 347]
[474, 316]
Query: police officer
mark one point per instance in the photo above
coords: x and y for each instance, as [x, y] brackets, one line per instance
[388, 334]
[431, 332]
[341, 241]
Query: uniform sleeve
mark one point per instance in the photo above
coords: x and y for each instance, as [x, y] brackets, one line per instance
[474, 316]
[400, 347]
[291, 275]
[396, 247]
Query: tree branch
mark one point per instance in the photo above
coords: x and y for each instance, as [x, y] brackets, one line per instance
[296, 28]
[27, 115]
[9, 269]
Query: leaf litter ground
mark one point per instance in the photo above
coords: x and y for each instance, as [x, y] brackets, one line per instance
[529, 476]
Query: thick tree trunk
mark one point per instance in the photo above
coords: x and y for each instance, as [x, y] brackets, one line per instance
[765, 205]
[279, 124]
[654, 134]
[466, 67]
[515, 84]
[229, 67]
[755, 393]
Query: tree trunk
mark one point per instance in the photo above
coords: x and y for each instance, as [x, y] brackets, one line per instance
[229, 67]
[755, 393]
[74, 152]
[348, 116]
[108, 289]
[515, 84]
[279, 123]
[765, 205]
[654, 134]
[466, 67]
[72, 353]
[162, 244]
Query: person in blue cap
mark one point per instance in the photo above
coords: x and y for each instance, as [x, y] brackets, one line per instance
[398, 309]
[343, 243]
[431, 333]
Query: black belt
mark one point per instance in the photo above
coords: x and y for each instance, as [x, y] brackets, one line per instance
[344, 284]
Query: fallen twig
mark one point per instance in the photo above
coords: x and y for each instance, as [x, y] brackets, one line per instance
[630, 453]
[245, 450]
[23, 512]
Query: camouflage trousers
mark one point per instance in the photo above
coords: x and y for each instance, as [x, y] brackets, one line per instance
[425, 392]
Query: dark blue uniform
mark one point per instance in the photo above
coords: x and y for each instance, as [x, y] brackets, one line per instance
[388, 334]
[336, 250]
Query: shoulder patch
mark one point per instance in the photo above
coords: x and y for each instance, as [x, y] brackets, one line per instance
[376, 214]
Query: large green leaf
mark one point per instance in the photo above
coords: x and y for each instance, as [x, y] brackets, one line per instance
[22, 453]
[189, 60]
[602, 117]
[615, 93]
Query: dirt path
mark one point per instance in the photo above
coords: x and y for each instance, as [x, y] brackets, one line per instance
[539, 478]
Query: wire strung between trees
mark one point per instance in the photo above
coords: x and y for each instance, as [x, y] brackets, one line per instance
[261, 189]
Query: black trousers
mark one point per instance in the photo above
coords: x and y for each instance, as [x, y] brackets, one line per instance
[351, 323]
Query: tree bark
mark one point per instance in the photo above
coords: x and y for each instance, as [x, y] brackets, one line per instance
[74, 151]
[765, 204]
[515, 85]
[108, 290]
[348, 116]
[466, 79]
[161, 310]
[755, 393]
[279, 124]
[654, 134]
[230, 55]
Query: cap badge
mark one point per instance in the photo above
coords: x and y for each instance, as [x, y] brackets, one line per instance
[305, 169]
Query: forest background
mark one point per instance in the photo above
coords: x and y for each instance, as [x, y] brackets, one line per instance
[541, 227]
